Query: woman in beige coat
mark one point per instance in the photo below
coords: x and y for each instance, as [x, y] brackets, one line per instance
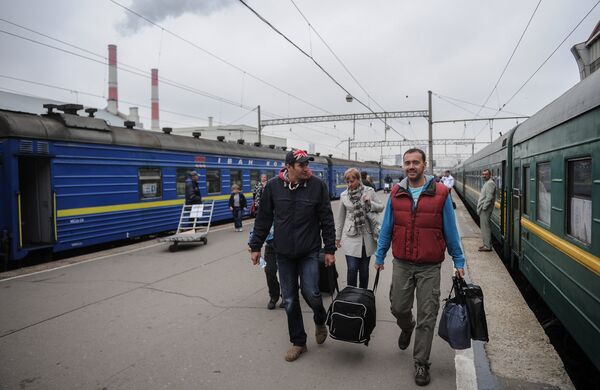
[354, 232]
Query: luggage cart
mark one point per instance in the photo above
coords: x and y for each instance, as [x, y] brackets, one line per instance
[194, 225]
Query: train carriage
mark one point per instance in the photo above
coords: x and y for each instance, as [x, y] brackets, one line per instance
[69, 181]
[550, 197]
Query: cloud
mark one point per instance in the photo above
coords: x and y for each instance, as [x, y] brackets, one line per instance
[157, 11]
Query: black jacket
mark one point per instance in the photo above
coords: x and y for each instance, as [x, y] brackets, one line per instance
[300, 218]
[243, 202]
[192, 192]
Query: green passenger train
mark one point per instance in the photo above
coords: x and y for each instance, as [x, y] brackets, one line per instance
[546, 219]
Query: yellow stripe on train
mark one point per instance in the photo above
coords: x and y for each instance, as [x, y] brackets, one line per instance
[132, 206]
[579, 255]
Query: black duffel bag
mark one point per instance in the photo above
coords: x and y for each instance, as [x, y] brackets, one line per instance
[454, 321]
[473, 296]
[352, 315]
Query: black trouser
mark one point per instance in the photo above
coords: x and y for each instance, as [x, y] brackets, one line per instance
[271, 272]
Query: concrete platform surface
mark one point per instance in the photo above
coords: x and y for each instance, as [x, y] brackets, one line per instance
[141, 317]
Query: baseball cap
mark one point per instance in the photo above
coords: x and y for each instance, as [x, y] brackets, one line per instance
[298, 155]
[193, 173]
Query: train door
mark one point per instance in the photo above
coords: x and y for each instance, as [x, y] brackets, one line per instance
[36, 208]
[515, 241]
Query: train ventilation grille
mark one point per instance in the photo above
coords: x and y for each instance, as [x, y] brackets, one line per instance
[42, 147]
[26, 147]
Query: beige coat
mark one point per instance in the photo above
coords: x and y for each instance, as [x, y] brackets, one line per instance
[344, 225]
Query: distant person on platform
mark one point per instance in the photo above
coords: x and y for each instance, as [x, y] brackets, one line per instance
[237, 205]
[366, 179]
[419, 223]
[448, 181]
[485, 206]
[192, 189]
[297, 203]
[258, 190]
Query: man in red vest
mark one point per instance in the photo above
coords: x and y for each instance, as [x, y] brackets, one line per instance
[419, 223]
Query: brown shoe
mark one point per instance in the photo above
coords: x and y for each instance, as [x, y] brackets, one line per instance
[320, 333]
[294, 352]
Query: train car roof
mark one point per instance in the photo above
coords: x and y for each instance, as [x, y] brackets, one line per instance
[494, 147]
[74, 128]
[582, 97]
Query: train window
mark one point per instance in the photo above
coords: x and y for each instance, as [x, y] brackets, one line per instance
[543, 203]
[270, 174]
[150, 183]
[526, 191]
[213, 181]
[235, 177]
[254, 178]
[517, 179]
[181, 175]
[340, 179]
[579, 199]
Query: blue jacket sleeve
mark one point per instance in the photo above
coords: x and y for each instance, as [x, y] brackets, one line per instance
[385, 234]
[451, 235]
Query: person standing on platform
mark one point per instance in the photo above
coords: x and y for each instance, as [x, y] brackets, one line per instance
[448, 181]
[237, 205]
[192, 189]
[419, 223]
[366, 180]
[485, 206]
[354, 233]
[297, 204]
[258, 189]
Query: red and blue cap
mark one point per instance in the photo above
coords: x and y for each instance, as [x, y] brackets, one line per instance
[297, 156]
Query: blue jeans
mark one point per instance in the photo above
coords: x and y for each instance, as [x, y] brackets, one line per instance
[237, 217]
[358, 265]
[307, 269]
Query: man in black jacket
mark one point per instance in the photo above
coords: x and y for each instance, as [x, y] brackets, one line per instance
[298, 206]
[192, 190]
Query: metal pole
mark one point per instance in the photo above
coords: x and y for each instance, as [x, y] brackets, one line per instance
[385, 127]
[259, 127]
[349, 158]
[353, 130]
[430, 135]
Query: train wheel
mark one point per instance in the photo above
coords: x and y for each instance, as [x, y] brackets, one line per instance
[205, 240]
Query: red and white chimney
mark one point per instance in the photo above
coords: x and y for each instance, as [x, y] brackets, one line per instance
[154, 100]
[113, 94]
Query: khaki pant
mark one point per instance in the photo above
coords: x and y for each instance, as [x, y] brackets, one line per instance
[484, 225]
[407, 276]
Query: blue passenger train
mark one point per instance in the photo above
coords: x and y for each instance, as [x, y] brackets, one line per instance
[69, 181]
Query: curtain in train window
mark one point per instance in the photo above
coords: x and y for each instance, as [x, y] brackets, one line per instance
[213, 181]
[579, 199]
[150, 183]
[181, 175]
[235, 177]
[544, 203]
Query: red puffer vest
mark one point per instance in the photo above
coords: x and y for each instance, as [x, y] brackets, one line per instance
[418, 235]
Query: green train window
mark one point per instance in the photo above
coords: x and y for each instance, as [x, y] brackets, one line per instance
[235, 177]
[213, 181]
[579, 199]
[543, 203]
[150, 183]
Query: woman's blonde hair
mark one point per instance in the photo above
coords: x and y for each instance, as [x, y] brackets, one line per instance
[235, 187]
[352, 172]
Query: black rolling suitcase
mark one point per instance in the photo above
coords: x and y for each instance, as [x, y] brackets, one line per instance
[352, 314]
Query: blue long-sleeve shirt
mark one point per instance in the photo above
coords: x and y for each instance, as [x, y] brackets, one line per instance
[450, 233]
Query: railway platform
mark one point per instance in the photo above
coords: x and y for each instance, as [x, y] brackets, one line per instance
[141, 317]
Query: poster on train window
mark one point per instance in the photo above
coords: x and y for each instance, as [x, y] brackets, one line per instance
[197, 210]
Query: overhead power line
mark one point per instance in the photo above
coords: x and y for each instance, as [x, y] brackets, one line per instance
[312, 59]
[543, 63]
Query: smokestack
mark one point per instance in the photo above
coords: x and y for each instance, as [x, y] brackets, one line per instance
[113, 95]
[155, 124]
[134, 116]
[210, 121]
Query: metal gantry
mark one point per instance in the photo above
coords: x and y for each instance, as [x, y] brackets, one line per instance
[346, 117]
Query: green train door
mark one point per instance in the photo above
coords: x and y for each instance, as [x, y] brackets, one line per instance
[515, 236]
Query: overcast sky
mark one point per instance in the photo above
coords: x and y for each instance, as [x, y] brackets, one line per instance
[397, 50]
